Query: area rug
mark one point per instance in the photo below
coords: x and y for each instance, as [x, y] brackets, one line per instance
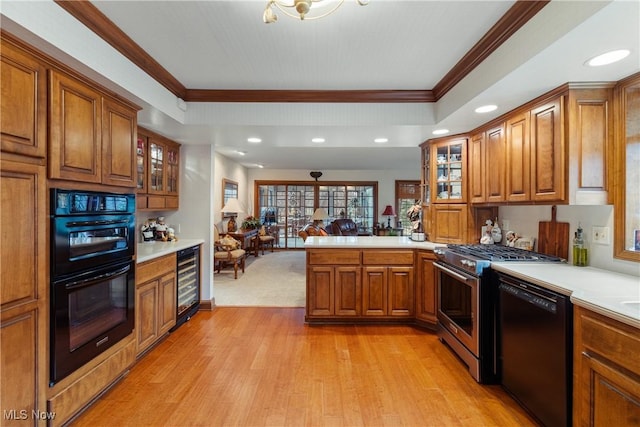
[275, 279]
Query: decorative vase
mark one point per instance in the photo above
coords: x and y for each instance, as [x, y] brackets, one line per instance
[232, 227]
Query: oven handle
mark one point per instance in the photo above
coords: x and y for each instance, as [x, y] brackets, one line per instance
[91, 280]
[99, 222]
[453, 273]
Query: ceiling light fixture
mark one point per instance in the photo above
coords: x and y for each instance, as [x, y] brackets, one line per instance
[440, 131]
[318, 140]
[608, 58]
[486, 108]
[381, 140]
[302, 9]
[260, 166]
[254, 140]
[241, 153]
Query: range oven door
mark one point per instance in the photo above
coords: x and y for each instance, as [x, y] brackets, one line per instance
[459, 306]
[90, 312]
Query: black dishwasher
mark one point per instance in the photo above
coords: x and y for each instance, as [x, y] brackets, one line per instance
[535, 335]
[188, 286]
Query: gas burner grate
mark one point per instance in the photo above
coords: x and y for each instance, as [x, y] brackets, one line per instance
[501, 253]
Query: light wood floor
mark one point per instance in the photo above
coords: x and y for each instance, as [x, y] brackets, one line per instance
[250, 366]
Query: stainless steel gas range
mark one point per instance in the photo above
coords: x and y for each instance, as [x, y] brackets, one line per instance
[467, 301]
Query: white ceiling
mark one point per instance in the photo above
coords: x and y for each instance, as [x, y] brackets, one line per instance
[408, 45]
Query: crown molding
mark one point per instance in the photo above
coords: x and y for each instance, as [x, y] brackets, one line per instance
[516, 17]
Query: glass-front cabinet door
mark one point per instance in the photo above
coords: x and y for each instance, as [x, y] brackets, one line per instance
[172, 169]
[156, 167]
[141, 164]
[449, 170]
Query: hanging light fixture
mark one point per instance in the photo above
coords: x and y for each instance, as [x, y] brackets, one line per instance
[301, 8]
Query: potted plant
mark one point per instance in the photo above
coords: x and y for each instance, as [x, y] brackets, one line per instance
[251, 223]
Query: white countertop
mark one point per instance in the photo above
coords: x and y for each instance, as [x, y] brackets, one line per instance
[149, 250]
[368, 242]
[611, 294]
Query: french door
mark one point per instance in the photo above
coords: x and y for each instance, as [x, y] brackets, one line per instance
[289, 206]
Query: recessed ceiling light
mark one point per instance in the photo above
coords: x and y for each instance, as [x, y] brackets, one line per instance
[440, 131]
[381, 140]
[254, 140]
[486, 108]
[318, 140]
[260, 166]
[241, 153]
[608, 58]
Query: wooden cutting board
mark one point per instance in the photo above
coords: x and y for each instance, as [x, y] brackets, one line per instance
[553, 237]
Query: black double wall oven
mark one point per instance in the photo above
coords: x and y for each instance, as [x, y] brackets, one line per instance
[92, 276]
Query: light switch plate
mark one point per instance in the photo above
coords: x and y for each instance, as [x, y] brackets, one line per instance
[600, 235]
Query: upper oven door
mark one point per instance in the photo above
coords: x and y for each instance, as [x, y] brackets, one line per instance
[83, 242]
[458, 305]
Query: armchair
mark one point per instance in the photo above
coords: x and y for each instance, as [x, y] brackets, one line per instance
[311, 230]
[227, 252]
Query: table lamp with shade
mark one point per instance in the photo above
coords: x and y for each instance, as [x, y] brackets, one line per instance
[388, 212]
[319, 216]
[233, 207]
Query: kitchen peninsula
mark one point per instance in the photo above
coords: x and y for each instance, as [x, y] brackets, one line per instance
[370, 278]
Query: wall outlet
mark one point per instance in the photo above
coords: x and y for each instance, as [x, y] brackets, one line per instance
[600, 235]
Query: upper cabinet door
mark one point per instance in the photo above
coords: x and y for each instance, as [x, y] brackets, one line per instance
[118, 144]
[547, 152]
[23, 102]
[518, 159]
[75, 130]
[477, 171]
[495, 164]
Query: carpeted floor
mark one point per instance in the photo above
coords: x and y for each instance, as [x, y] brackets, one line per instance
[275, 279]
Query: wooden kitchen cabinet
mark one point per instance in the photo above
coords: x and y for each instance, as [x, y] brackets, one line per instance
[23, 122]
[24, 294]
[551, 150]
[387, 283]
[155, 300]
[333, 284]
[158, 170]
[487, 169]
[477, 164]
[449, 170]
[92, 136]
[547, 156]
[359, 284]
[425, 289]
[449, 223]
[334, 291]
[606, 379]
[518, 158]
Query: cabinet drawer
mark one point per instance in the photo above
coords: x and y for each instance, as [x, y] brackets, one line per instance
[608, 338]
[155, 202]
[378, 257]
[155, 268]
[171, 202]
[334, 257]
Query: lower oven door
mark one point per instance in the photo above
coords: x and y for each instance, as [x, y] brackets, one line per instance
[459, 306]
[90, 312]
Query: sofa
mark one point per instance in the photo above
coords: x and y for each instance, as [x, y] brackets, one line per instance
[344, 227]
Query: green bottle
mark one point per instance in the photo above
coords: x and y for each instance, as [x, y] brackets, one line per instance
[580, 257]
